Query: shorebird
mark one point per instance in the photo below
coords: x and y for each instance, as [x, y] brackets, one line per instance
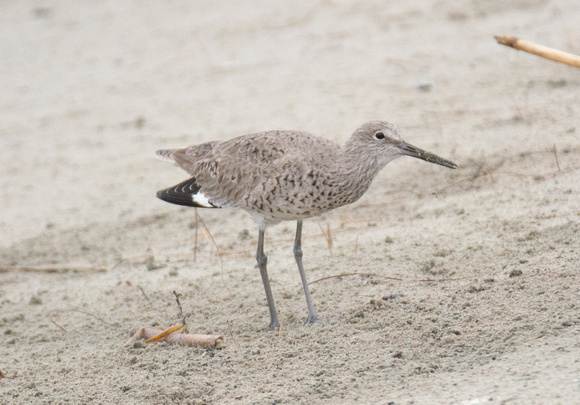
[286, 176]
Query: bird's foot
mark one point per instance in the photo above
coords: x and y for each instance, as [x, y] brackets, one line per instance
[311, 319]
[274, 325]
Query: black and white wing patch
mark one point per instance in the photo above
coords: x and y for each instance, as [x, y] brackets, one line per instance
[187, 194]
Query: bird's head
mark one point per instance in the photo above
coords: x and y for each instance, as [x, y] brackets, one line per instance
[380, 142]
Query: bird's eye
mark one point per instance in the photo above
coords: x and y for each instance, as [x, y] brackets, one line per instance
[379, 135]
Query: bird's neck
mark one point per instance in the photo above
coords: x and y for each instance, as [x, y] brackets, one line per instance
[353, 173]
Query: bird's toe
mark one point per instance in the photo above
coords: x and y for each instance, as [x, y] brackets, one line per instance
[312, 319]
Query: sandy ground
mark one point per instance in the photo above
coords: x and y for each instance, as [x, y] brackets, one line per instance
[468, 288]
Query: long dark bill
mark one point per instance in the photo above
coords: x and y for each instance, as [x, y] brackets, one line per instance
[409, 150]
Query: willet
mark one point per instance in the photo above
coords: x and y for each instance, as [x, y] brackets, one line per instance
[286, 176]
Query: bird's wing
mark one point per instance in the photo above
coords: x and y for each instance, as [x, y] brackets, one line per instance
[234, 172]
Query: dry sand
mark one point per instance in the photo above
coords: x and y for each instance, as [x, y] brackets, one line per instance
[88, 90]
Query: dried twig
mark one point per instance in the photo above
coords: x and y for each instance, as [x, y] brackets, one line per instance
[143, 292]
[87, 313]
[326, 235]
[281, 324]
[132, 260]
[427, 280]
[329, 233]
[180, 309]
[539, 50]
[355, 274]
[53, 321]
[52, 269]
[502, 172]
[219, 254]
[231, 333]
[195, 243]
[82, 312]
[556, 155]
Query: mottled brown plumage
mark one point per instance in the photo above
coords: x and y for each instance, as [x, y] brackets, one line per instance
[286, 175]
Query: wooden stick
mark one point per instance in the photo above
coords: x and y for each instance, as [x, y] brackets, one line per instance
[539, 50]
[182, 339]
[165, 333]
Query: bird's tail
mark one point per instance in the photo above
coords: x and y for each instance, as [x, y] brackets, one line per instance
[187, 194]
[165, 155]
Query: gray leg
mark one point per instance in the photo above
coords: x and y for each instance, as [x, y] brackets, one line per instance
[312, 318]
[262, 261]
